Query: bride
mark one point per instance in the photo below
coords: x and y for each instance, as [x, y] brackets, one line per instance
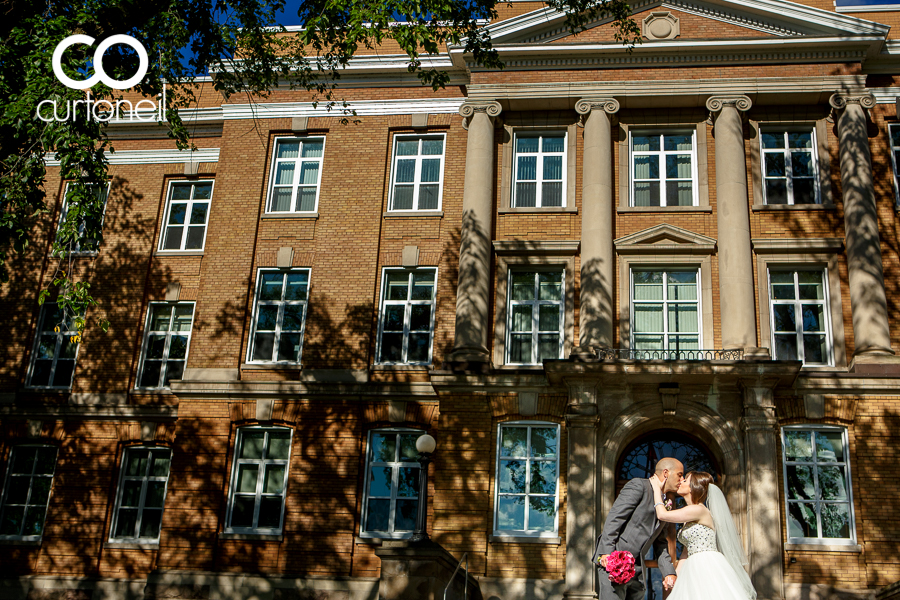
[714, 567]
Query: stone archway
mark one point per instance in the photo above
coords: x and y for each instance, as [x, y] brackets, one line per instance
[639, 458]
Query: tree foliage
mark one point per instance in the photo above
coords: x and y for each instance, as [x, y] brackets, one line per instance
[238, 43]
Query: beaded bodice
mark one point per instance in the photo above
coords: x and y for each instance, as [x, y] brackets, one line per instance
[697, 538]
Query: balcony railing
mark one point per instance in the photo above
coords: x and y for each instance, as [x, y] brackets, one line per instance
[633, 354]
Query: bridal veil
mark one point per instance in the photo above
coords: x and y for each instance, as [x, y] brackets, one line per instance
[727, 538]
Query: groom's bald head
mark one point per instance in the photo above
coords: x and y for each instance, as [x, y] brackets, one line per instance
[671, 471]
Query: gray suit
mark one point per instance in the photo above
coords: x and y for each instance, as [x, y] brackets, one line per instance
[632, 525]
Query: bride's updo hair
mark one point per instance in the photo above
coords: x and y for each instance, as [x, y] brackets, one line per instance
[700, 481]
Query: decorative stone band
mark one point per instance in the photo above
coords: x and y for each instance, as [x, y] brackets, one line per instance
[468, 110]
[840, 101]
[584, 107]
[716, 103]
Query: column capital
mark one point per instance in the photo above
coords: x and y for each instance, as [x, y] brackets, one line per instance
[716, 103]
[840, 101]
[468, 109]
[585, 106]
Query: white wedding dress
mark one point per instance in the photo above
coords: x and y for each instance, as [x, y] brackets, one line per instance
[706, 574]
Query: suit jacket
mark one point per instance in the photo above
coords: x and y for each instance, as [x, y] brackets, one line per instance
[632, 525]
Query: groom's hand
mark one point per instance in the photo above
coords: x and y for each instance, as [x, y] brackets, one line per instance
[669, 582]
[603, 560]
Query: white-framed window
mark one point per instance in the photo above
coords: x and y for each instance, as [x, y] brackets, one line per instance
[406, 326]
[663, 168]
[801, 327]
[818, 492]
[418, 172]
[167, 340]
[790, 165]
[279, 316]
[391, 498]
[540, 169]
[259, 479]
[82, 245]
[665, 309]
[895, 159]
[526, 500]
[536, 316]
[26, 493]
[55, 349]
[296, 175]
[187, 216]
[141, 494]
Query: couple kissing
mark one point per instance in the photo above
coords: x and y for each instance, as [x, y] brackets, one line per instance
[711, 566]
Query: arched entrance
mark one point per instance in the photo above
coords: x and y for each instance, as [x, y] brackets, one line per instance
[639, 459]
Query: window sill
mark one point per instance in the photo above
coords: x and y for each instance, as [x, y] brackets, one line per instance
[262, 537]
[663, 209]
[524, 539]
[271, 367]
[412, 213]
[537, 209]
[537, 368]
[389, 367]
[11, 542]
[151, 392]
[765, 207]
[46, 390]
[290, 215]
[131, 545]
[368, 541]
[184, 253]
[852, 548]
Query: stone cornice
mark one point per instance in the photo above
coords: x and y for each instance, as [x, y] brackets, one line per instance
[679, 241]
[292, 389]
[89, 411]
[151, 157]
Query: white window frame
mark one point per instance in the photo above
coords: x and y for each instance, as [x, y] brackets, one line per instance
[798, 303]
[28, 505]
[894, 150]
[168, 333]
[64, 210]
[539, 174]
[146, 478]
[535, 312]
[187, 215]
[788, 165]
[528, 460]
[260, 478]
[45, 313]
[418, 175]
[814, 462]
[665, 302]
[661, 154]
[280, 318]
[295, 183]
[406, 314]
[395, 475]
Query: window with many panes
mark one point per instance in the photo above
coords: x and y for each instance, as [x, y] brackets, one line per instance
[540, 169]
[817, 484]
[536, 316]
[790, 166]
[280, 314]
[665, 310]
[166, 343]
[800, 316]
[259, 480]
[663, 168]
[187, 214]
[141, 495]
[82, 244]
[407, 316]
[26, 493]
[296, 175]
[527, 500]
[55, 349]
[418, 172]
[895, 159]
[391, 498]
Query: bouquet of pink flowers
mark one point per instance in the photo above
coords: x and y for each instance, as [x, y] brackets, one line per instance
[620, 566]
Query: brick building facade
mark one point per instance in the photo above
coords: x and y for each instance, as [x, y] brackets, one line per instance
[559, 270]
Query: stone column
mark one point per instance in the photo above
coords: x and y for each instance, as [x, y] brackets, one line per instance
[736, 290]
[597, 216]
[473, 291]
[867, 296]
[581, 488]
[759, 425]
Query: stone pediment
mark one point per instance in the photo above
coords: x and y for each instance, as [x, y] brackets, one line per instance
[665, 238]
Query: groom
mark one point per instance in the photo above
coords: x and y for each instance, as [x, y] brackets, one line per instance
[632, 525]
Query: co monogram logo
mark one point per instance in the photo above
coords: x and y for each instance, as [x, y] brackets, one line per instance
[99, 73]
